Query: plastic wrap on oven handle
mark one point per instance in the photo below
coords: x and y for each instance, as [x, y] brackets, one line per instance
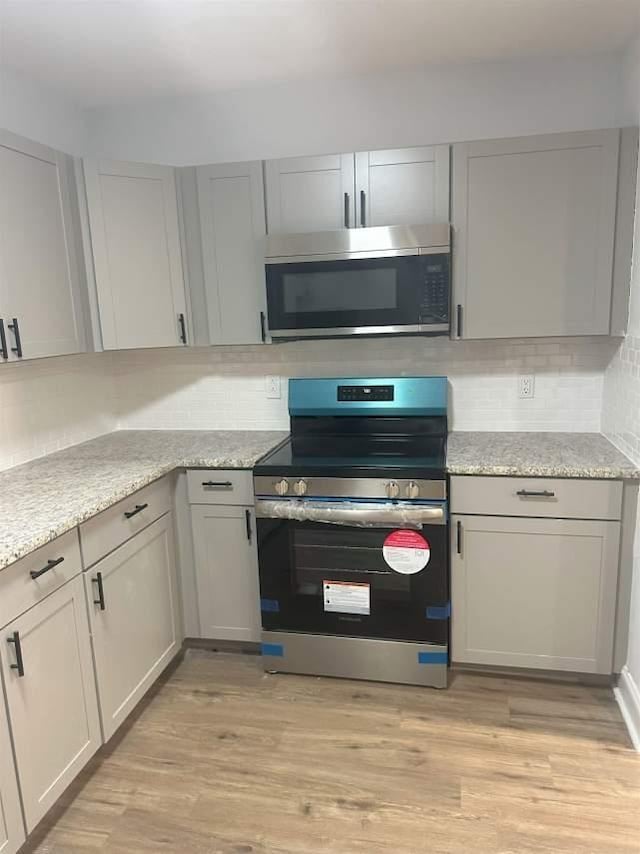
[357, 515]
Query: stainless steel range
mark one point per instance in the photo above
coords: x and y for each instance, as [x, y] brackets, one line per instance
[353, 532]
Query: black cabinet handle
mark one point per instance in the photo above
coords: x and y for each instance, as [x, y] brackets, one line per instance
[459, 319]
[138, 509]
[36, 573]
[533, 493]
[363, 208]
[346, 210]
[19, 665]
[247, 522]
[183, 328]
[459, 537]
[4, 352]
[100, 600]
[263, 327]
[223, 484]
[16, 332]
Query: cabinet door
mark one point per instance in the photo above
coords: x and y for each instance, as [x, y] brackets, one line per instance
[38, 262]
[310, 193]
[402, 186]
[534, 592]
[226, 572]
[534, 222]
[52, 701]
[133, 614]
[133, 214]
[12, 833]
[232, 223]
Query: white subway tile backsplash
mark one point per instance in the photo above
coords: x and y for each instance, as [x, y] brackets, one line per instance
[224, 386]
[48, 404]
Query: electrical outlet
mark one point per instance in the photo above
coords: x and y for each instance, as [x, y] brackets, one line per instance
[272, 387]
[526, 386]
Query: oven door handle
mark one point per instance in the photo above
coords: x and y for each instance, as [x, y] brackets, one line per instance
[356, 514]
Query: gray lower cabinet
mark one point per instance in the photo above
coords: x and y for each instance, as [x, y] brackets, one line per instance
[133, 611]
[226, 564]
[12, 833]
[534, 592]
[51, 699]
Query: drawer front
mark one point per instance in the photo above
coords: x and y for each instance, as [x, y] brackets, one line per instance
[537, 497]
[114, 526]
[19, 589]
[220, 486]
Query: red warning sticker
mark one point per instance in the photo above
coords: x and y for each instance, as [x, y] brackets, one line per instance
[406, 552]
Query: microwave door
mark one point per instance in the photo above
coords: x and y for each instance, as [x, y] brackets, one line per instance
[345, 297]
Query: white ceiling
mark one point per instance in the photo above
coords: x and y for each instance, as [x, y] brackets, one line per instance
[106, 51]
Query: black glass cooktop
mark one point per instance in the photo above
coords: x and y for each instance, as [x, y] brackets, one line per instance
[369, 456]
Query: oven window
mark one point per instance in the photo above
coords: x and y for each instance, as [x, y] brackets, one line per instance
[340, 290]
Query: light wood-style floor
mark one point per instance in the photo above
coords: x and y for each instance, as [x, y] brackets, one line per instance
[226, 759]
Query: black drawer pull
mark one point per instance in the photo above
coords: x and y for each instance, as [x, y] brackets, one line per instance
[4, 352]
[138, 509]
[247, 522]
[16, 333]
[36, 573]
[100, 600]
[459, 537]
[532, 493]
[223, 484]
[263, 327]
[19, 665]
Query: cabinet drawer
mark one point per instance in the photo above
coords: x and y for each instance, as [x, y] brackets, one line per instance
[537, 497]
[114, 526]
[220, 486]
[19, 590]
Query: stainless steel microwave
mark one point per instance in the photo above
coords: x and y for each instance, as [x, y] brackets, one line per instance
[361, 281]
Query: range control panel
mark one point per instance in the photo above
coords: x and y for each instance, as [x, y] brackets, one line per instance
[365, 392]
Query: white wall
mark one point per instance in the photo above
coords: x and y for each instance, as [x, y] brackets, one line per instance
[621, 400]
[45, 116]
[441, 104]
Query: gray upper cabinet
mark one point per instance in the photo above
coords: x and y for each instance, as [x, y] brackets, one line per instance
[135, 235]
[232, 229]
[310, 193]
[402, 186]
[39, 274]
[534, 225]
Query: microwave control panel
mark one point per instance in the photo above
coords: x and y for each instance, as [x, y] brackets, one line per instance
[435, 288]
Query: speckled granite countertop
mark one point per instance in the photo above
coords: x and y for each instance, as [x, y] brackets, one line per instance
[587, 455]
[44, 498]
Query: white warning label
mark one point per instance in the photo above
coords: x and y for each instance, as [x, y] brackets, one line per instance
[343, 597]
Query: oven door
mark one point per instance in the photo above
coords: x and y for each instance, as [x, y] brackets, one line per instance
[343, 576]
[404, 293]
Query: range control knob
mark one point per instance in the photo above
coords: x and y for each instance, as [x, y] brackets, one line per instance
[393, 490]
[282, 486]
[413, 490]
[300, 487]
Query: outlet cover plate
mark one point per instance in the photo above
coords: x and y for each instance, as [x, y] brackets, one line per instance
[526, 386]
[272, 387]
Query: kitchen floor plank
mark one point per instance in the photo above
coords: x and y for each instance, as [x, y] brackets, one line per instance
[224, 759]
